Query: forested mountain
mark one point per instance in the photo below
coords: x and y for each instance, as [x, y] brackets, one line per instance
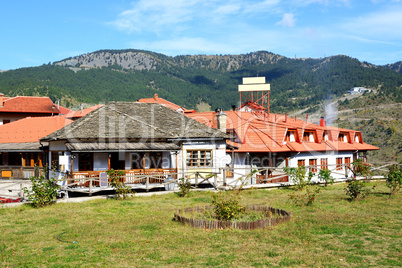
[397, 66]
[189, 80]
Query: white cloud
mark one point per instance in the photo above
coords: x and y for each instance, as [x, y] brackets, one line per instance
[154, 15]
[157, 15]
[383, 25]
[288, 20]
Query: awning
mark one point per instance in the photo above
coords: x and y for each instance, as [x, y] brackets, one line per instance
[121, 146]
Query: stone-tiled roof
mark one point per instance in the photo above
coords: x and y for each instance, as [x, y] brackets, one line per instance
[140, 121]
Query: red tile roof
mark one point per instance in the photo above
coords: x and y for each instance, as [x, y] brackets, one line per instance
[79, 114]
[64, 110]
[26, 104]
[260, 132]
[31, 129]
[166, 103]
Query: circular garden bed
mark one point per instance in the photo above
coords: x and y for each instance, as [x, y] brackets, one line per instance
[267, 216]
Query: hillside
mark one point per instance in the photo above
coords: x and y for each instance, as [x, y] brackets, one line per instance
[108, 75]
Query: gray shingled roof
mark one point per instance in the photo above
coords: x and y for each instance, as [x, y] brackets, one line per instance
[118, 146]
[22, 147]
[133, 121]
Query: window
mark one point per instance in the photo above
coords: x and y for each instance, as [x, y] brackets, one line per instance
[86, 161]
[308, 136]
[301, 162]
[324, 163]
[155, 160]
[326, 136]
[137, 161]
[357, 138]
[339, 163]
[14, 159]
[313, 164]
[347, 161]
[343, 137]
[290, 135]
[197, 158]
[55, 159]
[1, 159]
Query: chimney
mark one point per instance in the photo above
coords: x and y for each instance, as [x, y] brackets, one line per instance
[322, 122]
[82, 108]
[1, 99]
[221, 118]
[306, 117]
[286, 117]
[233, 107]
[156, 96]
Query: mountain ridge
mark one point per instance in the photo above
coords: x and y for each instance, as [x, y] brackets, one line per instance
[188, 80]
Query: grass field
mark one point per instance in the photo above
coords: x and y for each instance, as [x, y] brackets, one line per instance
[139, 232]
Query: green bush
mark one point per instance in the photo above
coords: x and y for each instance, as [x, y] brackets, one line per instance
[394, 179]
[325, 175]
[184, 187]
[356, 189]
[116, 181]
[361, 169]
[227, 207]
[43, 191]
[298, 176]
[306, 199]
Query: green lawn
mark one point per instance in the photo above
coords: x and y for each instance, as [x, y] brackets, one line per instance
[334, 232]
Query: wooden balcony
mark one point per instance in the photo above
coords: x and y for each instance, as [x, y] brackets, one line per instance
[133, 176]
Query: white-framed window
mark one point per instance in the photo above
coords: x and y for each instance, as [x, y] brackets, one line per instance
[199, 158]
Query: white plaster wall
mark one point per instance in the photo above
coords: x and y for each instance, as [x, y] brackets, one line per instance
[331, 156]
[219, 156]
[57, 146]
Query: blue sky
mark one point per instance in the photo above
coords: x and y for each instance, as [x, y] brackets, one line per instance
[38, 32]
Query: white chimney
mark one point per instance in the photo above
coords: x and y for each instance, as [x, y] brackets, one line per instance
[221, 118]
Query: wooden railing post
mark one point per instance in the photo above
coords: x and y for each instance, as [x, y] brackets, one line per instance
[147, 183]
[196, 179]
[224, 176]
[90, 186]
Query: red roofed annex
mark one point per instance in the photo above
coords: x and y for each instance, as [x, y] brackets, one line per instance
[262, 139]
[14, 108]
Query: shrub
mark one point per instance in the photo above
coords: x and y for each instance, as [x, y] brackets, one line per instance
[184, 187]
[298, 176]
[356, 189]
[394, 179]
[361, 169]
[43, 191]
[227, 207]
[325, 175]
[306, 199]
[116, 181]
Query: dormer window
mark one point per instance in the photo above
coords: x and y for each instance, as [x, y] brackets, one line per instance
[290, 136]
[357, 138]
[326, 136]
[309, 136]
[343, 137]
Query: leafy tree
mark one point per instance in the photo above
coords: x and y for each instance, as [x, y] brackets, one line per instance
[394, 179]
